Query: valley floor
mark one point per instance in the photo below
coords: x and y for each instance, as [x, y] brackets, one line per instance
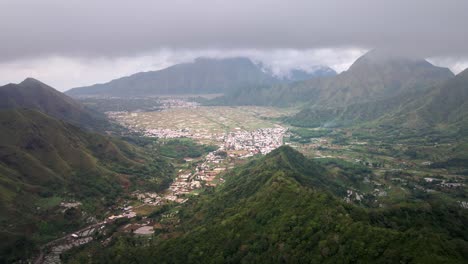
[398, 168]
[387, 173]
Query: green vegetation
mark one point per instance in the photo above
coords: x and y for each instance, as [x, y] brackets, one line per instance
[439, 112]
[183, 148]
[121, 104]
[303, 135]
[362, 83]
[33, 94]
[387, 183]
[44, 161]
[286, 208]
[203, 76]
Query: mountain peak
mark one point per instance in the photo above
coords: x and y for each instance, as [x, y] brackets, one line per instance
[31, 81]
[230, 59]
[33, 94]
[377, 55]
[384, 57]
[302, 75]
[463, 73]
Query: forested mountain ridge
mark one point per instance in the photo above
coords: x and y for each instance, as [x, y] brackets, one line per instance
[285, 208]
[33, 94]
[45, 161]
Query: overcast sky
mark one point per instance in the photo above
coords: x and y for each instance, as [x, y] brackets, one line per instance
[79, 42]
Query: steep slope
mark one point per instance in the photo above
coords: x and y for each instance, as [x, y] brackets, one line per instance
[377, 75]
[446, 105]
[441, 107]
[353, 114]
[33, 94]
[203, 76]
[282, 209]
[301, 75]
[44, 161]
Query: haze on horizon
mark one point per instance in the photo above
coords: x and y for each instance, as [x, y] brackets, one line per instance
[75, 43]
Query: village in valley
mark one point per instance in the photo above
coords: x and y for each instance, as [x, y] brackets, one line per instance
[243, 132]
[239, 133]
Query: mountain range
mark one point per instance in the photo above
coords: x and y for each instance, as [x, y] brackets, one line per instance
[203, 76]
[374, 76]
[282, 207]
[441, 106]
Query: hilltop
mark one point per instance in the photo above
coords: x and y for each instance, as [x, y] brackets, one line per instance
[285, 208]
[33, 94]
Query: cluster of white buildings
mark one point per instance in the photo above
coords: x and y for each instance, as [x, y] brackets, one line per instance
[353, 196]
[115, 114]
[168, 133]
[259, 141]
[204, 174]
[444, 183]
[178, 133]
[463, 204]
[127, 212]
[150, 198]
[176, 103]
[262, 140]
[183, 185]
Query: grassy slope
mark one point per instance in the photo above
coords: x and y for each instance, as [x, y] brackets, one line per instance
[33, 94]
[42, 158]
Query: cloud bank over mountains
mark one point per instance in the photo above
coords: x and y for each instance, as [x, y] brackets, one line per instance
[67, 72]
[94, 41]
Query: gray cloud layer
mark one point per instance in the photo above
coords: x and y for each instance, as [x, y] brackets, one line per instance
[68, 72]
[116, 28]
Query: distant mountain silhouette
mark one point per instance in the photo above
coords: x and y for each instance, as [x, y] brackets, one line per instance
[202, 76]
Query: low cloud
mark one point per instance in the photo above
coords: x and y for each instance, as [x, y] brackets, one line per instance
[80, 42]
[110, 28]
[64, 73]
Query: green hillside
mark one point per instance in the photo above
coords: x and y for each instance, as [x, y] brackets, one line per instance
[443, 107]
[283, 208]
[44, 161]
[33, 94]
[353, 114]
[377, 75]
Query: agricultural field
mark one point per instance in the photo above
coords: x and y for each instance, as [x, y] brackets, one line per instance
[389, 172]
[384, 170]
[203, 119]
